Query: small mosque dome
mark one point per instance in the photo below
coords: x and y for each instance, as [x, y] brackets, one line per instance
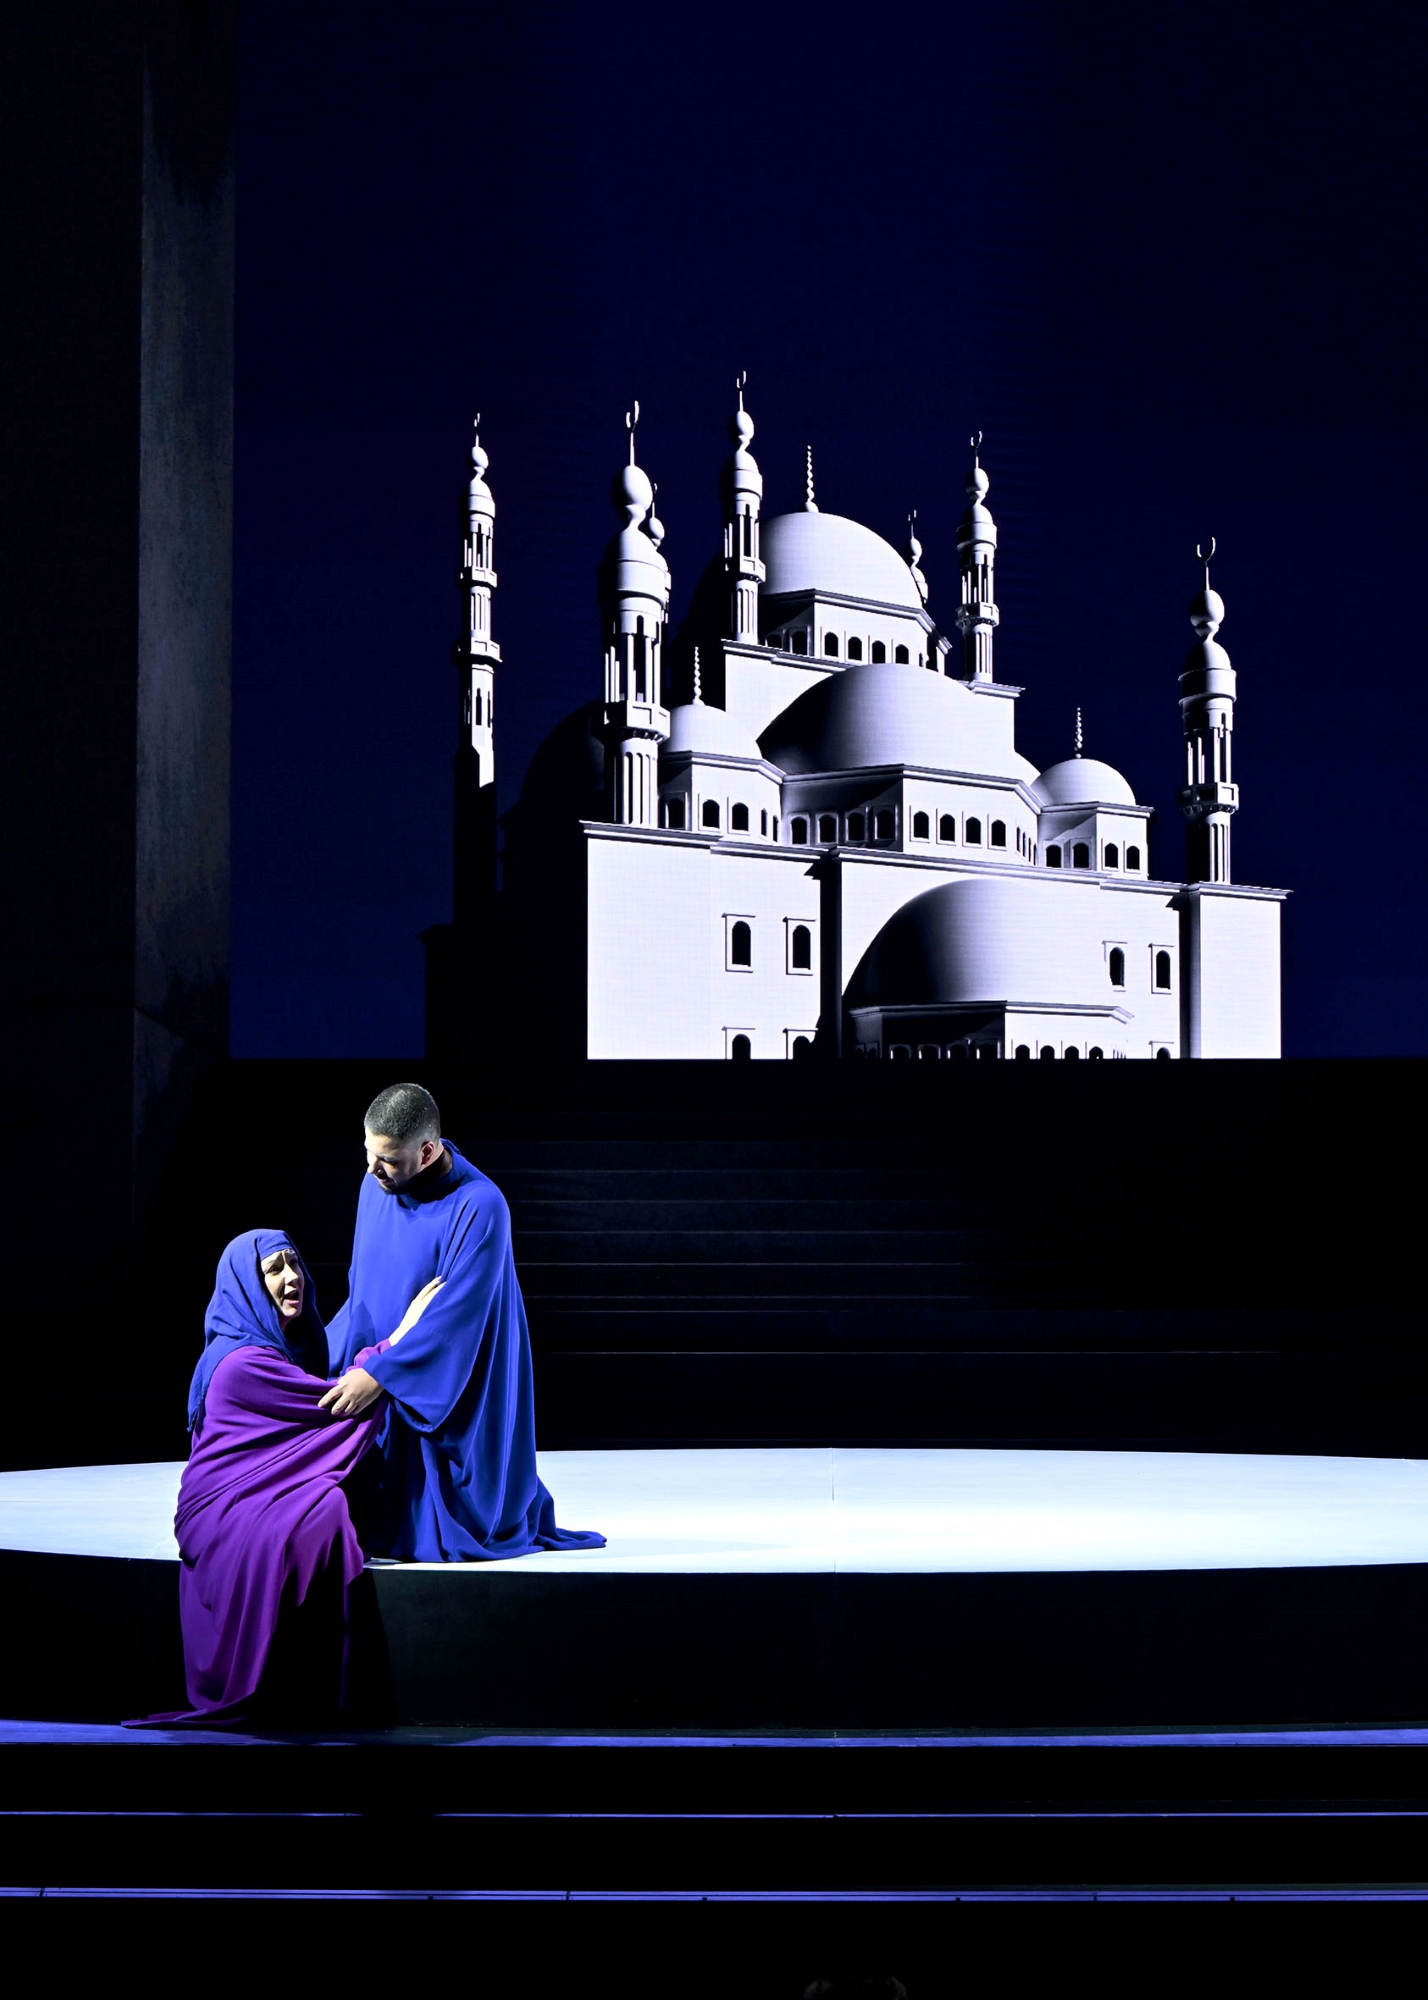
[632, 488]
[710, 731]
[1082, 781]
[639, 570]
[841, 558]
[987, 939]
[890, 714]
[479, 497]
[1207, 612]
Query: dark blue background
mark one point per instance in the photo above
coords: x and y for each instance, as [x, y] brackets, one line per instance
[1168, 260]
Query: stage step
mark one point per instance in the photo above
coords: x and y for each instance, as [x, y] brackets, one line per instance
[722, 1818]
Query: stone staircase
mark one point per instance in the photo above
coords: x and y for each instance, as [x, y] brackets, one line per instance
[943, 1258]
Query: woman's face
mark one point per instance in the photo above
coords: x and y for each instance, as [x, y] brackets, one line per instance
[282, 1274]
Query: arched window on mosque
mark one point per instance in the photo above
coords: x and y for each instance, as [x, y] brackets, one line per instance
[1023, 1053]
[1096, 1055]
[800, 951]
[709, 814]
[1113, 855]
[884, 824]
[929, 1052]
[1073, 1054]
[764, 821]
[830, 644]
[900, 1052]
[1133, 857]
[1162, 1055]
[1047, 1052]
[741, 944]
[1117, 964]
[1080, 855]
[855, 649]
[1162, 972]
[880, 653]
[740, 1049]
[827, 826]
[478, 708]
[738, 819]
[921, 827]
[799, 641]
[947, 827]
[999, 833]
[802, 1048]
[798, 832]
[1053, 857]
[973, 835]
[856, 826]
[674, 814]
[900, 656]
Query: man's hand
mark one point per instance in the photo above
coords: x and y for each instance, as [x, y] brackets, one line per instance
[356, 1392]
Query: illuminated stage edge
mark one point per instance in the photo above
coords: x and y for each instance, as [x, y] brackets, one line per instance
[818, 1588]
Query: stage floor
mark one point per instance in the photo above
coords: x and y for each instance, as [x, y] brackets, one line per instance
[852, 1511]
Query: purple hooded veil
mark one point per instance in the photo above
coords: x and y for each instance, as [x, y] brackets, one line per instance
[269, 1556]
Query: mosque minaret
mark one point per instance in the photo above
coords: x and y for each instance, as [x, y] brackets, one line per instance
[833, 846]
[977, 614]
[743, 494]
[1207, 709]
[478, 651]
[477, 657]
[634, 603]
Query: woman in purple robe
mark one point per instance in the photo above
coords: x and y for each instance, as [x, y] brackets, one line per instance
[268, 1551]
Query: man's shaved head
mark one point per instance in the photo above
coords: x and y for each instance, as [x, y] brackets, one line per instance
[405, 1114]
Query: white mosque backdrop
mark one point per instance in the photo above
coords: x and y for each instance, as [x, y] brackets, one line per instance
[830, 843]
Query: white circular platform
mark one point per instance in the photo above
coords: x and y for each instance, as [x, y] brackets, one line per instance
[847, 1510]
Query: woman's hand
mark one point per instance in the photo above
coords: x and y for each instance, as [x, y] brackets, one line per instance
[418, 1306]
[356, 1392]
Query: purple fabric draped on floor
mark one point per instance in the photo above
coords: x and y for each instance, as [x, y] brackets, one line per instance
[262, 1527]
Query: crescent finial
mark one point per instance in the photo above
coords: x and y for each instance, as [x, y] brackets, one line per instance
[975, 441]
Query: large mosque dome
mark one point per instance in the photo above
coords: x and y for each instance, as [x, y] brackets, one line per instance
[835, 557]
[986, 939]
[1082, 781]
[891, 714]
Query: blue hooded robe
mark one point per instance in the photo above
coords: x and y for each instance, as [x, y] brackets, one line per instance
[456, 1457]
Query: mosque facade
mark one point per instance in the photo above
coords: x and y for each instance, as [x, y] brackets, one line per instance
[831, 846]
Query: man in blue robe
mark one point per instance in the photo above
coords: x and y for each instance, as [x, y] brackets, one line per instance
[456, 1476]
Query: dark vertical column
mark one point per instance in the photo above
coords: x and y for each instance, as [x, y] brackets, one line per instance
[829, 1041]
[115, 612]
[462, 957]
